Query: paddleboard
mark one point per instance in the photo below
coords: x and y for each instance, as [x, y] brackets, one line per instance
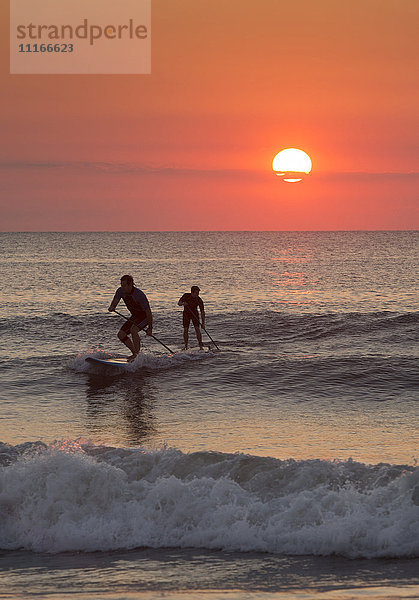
[110, 362]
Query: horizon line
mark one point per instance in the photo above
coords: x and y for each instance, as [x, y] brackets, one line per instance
[212, 231]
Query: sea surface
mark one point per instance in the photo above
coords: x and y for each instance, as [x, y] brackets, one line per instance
[281, 463]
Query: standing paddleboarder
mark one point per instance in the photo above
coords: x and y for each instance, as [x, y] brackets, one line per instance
[139, 307]
[191, 302]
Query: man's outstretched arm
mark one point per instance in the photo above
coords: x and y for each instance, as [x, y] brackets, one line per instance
[114, 302]
[201, 308]
[113, 305]
[182, 301]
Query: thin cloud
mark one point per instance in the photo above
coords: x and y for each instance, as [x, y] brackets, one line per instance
[140, 169]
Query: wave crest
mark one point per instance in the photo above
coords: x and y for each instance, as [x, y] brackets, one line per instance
[75, 497]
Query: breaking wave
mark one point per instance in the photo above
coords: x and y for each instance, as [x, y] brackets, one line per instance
[71, 496]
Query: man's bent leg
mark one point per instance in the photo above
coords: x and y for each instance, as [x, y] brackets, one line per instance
[126, 340]
[135, 339]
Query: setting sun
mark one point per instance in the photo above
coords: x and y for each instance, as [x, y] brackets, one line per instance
[292, 164]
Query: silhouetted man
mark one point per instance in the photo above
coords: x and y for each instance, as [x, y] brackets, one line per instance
[191, 302]
[139, 307]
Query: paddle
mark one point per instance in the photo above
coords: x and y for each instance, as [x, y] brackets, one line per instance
[153, 336]
[200, 324]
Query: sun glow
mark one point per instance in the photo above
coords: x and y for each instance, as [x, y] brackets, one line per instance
[292, 164]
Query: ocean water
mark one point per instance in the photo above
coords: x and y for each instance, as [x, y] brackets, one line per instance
[282, 466]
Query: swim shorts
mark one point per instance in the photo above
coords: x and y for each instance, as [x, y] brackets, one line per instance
[137, 320]
[188, 317]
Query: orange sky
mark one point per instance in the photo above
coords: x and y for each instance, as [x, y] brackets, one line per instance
[190, 146]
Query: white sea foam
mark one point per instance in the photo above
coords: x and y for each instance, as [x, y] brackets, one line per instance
[144, 360]
[64, 498]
